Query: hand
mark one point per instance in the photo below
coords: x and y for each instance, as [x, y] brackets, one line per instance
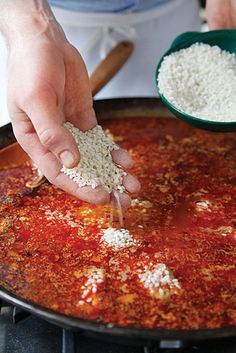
[48, 85]
[221, 14]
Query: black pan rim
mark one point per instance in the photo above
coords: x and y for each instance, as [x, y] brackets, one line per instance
[152, 105]
[77, 324]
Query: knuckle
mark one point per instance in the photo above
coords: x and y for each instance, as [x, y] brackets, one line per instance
[102, 199]
[28, 97]
[48, 137]
[36, 94]
[51, 179]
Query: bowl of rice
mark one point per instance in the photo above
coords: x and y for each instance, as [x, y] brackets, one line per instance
[196, 79]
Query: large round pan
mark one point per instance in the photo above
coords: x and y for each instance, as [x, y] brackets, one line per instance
[114, 109]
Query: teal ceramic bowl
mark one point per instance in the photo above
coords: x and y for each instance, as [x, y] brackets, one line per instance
[225, 39]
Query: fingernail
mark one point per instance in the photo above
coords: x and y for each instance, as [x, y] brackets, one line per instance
[67, 158]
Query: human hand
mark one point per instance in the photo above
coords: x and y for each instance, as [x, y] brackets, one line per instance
[221, 14]
[48, 85]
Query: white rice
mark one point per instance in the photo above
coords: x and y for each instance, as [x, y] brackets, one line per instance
[96, 166]
[118, 238]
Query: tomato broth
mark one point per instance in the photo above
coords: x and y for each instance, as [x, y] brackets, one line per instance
[52, 252]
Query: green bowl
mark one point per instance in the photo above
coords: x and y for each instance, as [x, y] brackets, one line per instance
[225, 39]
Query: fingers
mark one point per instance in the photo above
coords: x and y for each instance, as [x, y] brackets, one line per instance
[85, 120]
[59, 140]
[124, 200]
[122, 158]
[48, 120]
[50, 166]
[131, 184]
[78, 99]
[98, 196]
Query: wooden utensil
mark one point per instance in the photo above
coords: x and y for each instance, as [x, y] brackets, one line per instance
[109, 66]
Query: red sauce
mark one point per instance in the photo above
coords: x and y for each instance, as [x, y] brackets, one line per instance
[185, 218]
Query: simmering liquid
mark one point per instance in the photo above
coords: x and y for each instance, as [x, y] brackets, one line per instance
[179, 270]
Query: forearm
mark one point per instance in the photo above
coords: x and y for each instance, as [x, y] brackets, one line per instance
[25, 19]
[221, 14]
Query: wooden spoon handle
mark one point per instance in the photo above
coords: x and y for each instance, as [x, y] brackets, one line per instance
[109, 66]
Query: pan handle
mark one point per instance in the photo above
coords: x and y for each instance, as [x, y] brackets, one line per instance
[109, 66]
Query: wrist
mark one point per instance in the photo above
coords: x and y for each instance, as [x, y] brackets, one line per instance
[18, 25]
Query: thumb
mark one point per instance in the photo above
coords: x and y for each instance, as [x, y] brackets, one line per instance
[48, 121]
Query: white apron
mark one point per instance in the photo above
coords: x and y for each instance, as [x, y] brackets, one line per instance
[152, 32]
